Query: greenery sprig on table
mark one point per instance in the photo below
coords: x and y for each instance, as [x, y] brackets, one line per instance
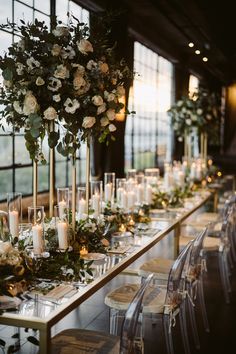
[174, 198]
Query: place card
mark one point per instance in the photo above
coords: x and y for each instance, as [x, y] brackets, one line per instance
[58, 292]
[119, 249]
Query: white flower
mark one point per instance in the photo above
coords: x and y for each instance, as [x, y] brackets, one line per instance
[104, 68]
[50, 113]
[39, 81]
[17, 107]
[32, 63]
[71, 105]
[88, 122]
[67, 52]
[54, 84]
[56, 98]
[112, 127]
[78, 82]
[30, 104]
[56, 50]
[60, 31]
[180, 138]
[104, 121]
[91, 65]
[110, 97]
[194, 117]
[97, 100]
[188, 121]
[5, 247]
[111, 114]
[179, 103]
[84, 46]
[101, 108]
[120, 91]
[61, 72]
[199, 111]
[83, 89]
[7, 83]
[20, 68]
[208, 116]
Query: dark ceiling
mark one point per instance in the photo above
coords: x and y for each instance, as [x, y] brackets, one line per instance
[171, 24]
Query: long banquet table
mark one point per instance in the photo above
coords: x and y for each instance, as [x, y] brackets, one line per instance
[42, 315]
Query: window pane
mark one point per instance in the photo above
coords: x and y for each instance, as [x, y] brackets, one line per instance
[6, 146]
[21, 153]
[5, 11]
[61, 10]
[6, 41]
[42, 5]
[24, 180]
[43, 176]
[5, 182]
[22, 12]
[28, 2]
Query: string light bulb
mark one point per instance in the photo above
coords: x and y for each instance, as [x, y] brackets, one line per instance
[191, 44]
[205, 59]
[197, 51]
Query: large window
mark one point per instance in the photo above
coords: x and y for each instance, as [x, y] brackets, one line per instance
[148, 133]
[15, 164]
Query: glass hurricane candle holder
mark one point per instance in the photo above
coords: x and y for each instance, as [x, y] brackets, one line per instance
[109, 187]
[36, 219]
[62, 222]
[131, 196]
[121, 193]
[14, 206]
[148, 190]
[81, 202]
[63, 199]
[96, 197]
[139, 189]
[131, 174]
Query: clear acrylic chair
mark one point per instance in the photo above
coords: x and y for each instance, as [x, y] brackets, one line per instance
[167, 302]
[85, 341]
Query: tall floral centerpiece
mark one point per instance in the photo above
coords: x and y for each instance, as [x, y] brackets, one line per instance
[61, 85]
[199, 113]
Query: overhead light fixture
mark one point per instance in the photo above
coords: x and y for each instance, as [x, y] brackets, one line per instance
[197, 51]
[191, 44]
[205, 59]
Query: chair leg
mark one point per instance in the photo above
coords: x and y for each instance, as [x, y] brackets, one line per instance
[223, 277]
[203, 304]
[193, 322]
[168, 334]
[183, 327]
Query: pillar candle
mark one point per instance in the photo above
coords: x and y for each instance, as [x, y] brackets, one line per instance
[62, 229]
[96, 204]
[148, 195]
[130, 199]
[140, 193]
[82, 206]
[61, 208]
[38, 243]
[108, 192]
[14, 223]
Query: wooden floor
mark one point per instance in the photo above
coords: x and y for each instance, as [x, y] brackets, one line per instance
[93, 314]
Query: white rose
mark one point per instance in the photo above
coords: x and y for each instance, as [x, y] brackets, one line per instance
[60, 31]
[54, 84]
[17, 107]
[78, 82]
[20, 68]
[101, 108]
[111, 114]
[56, 50]
[91, 65]
[5, 247]
[61, 72]
[56, 98]
[21, 44]
[88, 122]
[97, 100]
[112, 127]
[84, 46]
[7, 83]
[120, 91]
[111, 97]
[50, 113]
[180, 138]
[32, 63]
[208, 116]
[104, 68]
[104, 121]
[39, 81]
[179, 103]
[30, 104]
[68, 52]
[188, 121]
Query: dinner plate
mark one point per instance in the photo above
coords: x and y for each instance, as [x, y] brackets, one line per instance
[95, 257]
[7, 302]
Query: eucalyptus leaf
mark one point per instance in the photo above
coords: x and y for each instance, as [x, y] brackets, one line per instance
[33, 340]
[7, 74]
[53, 139]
